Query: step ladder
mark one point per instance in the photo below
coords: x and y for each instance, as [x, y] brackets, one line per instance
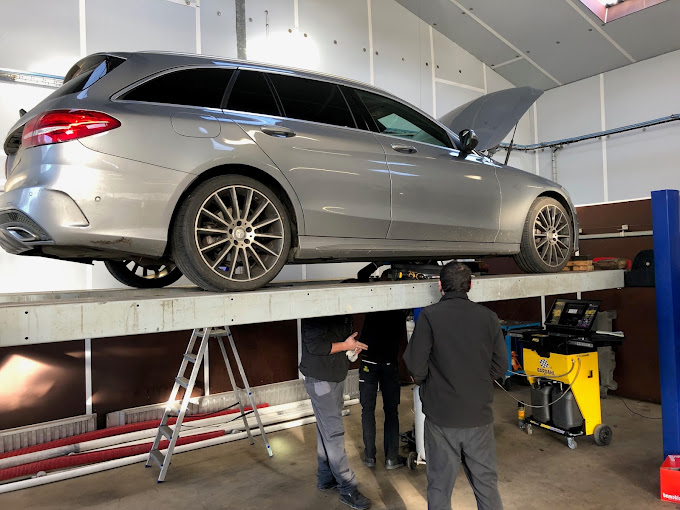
[195, 359]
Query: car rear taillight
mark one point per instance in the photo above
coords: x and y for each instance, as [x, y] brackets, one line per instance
[58, 126]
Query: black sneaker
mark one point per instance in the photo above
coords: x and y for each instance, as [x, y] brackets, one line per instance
[328, 486]
[356, 500]
[395, 463]
[368, 461]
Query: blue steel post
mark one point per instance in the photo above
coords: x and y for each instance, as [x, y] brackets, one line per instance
[666, 224]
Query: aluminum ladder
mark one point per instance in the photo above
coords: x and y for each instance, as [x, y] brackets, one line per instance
[195, 359]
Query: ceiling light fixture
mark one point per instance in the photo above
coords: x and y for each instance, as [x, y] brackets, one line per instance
[609, 3]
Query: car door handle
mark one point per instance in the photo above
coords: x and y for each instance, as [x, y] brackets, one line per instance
[408, 149]
[279, 131]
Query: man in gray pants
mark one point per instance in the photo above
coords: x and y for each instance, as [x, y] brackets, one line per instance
[456, 352]
[324, 363]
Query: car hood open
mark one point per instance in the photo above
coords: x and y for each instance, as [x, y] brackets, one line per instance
[493, 115]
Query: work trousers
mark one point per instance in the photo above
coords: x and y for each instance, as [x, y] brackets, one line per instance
[327, 402]
[445, 449]
[386, 376]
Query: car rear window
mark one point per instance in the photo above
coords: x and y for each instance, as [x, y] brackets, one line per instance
[312, 100]
[86, 73]
[251, 93]
[189, 87]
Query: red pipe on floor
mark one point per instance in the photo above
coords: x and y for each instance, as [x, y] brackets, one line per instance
[98, 456]
[121, 429]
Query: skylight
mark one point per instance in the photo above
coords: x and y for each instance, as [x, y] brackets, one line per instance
[609, 10]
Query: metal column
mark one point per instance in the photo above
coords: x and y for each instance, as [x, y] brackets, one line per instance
[666, 222]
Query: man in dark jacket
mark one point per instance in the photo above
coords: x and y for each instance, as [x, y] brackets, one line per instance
[382, 332]
[456, 352]
[324, 363]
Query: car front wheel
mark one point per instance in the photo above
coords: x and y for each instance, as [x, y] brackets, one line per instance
[231, 233]
[547, 240]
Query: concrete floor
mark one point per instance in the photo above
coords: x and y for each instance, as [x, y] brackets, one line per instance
[536, 472]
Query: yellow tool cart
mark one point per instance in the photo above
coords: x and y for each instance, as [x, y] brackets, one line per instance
[561, 363]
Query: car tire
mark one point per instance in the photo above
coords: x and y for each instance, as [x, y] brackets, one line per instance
[547, 239]
[231, 233]
[154, 276]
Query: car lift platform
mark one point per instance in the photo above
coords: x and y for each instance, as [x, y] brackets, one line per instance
[35, 318]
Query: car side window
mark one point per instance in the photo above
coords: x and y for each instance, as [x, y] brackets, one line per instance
[312, 100]
[189, 87]
[251, 93]
[395, 119]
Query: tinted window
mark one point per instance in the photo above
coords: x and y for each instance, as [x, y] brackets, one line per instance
[251, 93]
[88, 72]
[396, 119]
[191, 87]
[313, 100]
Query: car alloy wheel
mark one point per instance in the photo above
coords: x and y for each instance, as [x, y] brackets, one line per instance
[552, 235]
[143, 275]
[547, 241]
[239, 233]
[231, 233]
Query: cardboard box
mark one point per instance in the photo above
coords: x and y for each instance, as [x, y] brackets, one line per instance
[670, 479]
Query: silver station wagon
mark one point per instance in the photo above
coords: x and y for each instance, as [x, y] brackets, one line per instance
[167, 164]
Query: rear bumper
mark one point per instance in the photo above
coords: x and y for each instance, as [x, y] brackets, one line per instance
[33, 217]
[67, 201]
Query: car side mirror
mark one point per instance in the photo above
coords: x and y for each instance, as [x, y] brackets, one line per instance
[468, 140]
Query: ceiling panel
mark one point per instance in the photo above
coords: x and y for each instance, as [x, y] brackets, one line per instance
[523, 73]
[552, 34]
[495, 81]
[535, 27]
[455, 64]
[649, 32]
[461, 28]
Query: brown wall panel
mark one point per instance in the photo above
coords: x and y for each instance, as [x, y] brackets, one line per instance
[607, 218]
[135, 370]
[528, 309]
[41, 383]
[637, 358]
[268, 352]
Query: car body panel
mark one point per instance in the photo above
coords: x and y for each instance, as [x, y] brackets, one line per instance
[338, 249]
[493, 115]
[439, 194]
[339, 174]
[519, 189]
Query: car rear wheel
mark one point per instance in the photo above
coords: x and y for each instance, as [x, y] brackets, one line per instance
[143, 276]
[548, 240]
[231, 233]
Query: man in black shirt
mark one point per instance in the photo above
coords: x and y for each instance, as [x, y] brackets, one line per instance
[324, 363]
[379, 367]
[456, 352]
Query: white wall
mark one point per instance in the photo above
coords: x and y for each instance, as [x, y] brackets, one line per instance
[625, 166]
[374, 41]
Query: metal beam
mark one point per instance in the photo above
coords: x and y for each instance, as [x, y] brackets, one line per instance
[54, 317]
[666, 223]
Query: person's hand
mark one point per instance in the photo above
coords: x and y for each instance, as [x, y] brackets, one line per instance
[352, 344]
